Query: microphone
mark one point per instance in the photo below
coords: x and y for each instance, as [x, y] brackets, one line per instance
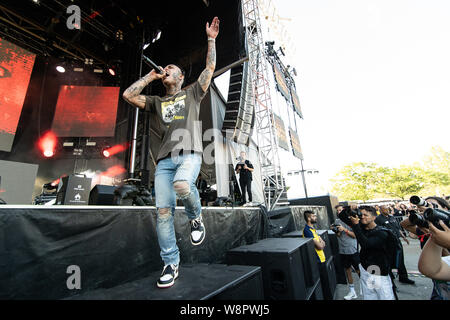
[152, 64]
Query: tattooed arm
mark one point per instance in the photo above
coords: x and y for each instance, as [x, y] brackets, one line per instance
[133, 94]
[212, 32]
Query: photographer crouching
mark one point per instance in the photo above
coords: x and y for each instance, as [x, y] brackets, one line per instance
[375, 254]
[348, 250]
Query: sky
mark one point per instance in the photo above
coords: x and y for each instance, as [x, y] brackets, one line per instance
[373, 80]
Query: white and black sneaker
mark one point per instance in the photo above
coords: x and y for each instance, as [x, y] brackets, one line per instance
[168, 276]
[197, 231]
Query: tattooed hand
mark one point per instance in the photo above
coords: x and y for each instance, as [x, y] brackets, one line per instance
[213, 30]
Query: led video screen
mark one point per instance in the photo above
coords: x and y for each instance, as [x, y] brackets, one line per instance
[16, 65]
[282, 85]
[281, 132]
[296, 103]
[295, 141]
[83, 111]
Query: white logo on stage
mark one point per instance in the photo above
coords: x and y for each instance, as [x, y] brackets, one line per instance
[77, 197]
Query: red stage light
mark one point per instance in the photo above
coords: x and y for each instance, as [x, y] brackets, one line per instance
[114, 171]
[114, 150]
[47, 144]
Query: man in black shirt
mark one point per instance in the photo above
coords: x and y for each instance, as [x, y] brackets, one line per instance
[245, 168]
[390, 222]
[375, 281]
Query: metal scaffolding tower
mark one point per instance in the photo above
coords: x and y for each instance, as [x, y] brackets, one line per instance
[273, 181]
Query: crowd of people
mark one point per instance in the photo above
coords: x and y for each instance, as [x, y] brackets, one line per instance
[370, 244]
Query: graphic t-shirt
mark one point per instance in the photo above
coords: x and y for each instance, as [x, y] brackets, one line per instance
[178, 117]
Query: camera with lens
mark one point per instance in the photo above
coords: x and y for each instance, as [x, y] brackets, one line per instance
[434, 215]
[418, 201]
[417, 219]
[346, 213]
[334, 228]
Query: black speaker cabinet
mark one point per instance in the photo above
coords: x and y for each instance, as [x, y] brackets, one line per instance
[309, 258]
[328, 279]
[102, 195]
[73, 190]
[282, 266]
[195, 282]
[341, 278]
[316, 292]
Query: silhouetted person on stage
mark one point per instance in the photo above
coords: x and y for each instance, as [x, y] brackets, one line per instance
[245, 168]
[178, 162]
[201, 187]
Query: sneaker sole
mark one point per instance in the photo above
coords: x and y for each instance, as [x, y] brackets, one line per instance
[199, 243]
[167, 285]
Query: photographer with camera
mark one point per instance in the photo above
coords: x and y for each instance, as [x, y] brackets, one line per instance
[387, 220]
[375, 254]
[348, 251]
[433, 265]
[418, 225]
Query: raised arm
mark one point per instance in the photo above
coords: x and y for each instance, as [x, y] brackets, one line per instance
[133, 94]
[212, 32]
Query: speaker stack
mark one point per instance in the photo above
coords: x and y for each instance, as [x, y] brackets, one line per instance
[327, 269]
[239, 112]
[287, 271]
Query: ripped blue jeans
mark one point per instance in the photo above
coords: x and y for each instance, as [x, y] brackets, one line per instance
[184, 168]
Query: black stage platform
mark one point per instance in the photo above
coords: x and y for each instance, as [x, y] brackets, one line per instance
[195, 282]
[115, 245]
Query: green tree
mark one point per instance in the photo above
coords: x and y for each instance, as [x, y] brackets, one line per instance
[355, 181]
[436, 172]
[365, 181]
[401, 182]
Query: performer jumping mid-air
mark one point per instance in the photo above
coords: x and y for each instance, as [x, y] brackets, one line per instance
[178, 163]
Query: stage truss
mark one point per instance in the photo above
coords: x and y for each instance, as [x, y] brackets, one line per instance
[273, 181]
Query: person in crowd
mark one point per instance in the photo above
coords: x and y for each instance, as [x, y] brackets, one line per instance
[385, 219]
[310, 232]
[432, 263]
[377, 208]
[375, 281]
[424, 234]
[348, 251]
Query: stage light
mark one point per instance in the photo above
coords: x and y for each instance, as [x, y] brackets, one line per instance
[112, 72]
[47, 144]
[60, 69]
[48, 153]
[98, 70]
[106, 153]
[110, 151]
